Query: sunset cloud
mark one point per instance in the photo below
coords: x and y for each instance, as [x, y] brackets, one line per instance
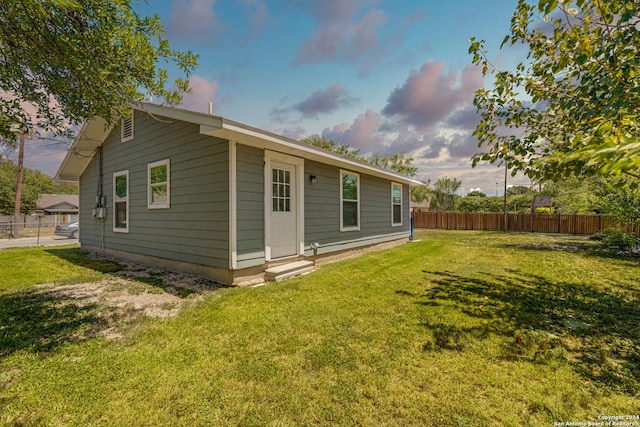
[432, 94]
[340, 34]
[192, 19]
[203, 91]
[322, 101]
[363, 133]
[463, 146]
[257, 16]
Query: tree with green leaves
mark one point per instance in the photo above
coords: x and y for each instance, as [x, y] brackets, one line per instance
[573, 107]
[331, 145]
[518, 189]
[621, 202]
[65, 61]
[35, 183]
[444, 193]
[575, 195]
[473, 203]
[420, 193]
[398, 162]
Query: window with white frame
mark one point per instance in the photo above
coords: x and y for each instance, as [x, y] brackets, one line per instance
[126, 128]
[349, 201]
[159, 185]
[121, 202]
[281, 194]
[396, 204]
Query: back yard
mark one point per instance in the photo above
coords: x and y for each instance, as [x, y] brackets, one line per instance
[459, 329]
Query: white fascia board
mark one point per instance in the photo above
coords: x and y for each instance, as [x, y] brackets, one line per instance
[207, 122]
[91, 136]
[94, 132]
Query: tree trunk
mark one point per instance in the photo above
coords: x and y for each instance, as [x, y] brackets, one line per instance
[16, 209]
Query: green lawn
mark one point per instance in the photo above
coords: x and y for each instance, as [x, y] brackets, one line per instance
[458, 329]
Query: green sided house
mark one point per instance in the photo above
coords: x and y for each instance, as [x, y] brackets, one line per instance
[205, 195]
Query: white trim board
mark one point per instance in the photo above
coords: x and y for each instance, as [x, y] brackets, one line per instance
[274, 156]
[233, 206]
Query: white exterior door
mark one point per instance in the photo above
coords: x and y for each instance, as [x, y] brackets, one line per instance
[283, 210]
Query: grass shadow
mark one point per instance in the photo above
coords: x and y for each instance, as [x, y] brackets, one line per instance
[157, 281]
[75, 256]
[596, 331]
[37, 322]
[588, 248]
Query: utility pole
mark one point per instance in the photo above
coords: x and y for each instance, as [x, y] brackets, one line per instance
[16, 210]
[504, 204]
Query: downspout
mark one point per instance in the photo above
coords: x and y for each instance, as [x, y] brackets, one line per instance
[100, 210]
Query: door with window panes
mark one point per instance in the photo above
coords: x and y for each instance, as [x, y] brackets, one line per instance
[283, 214]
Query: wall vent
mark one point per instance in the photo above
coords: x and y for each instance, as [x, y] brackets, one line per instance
[127, 128]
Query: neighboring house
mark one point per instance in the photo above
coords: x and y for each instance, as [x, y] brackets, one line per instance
[541, 202]
[63, 207]
[58, 204]
[203, 194]
[423, 206]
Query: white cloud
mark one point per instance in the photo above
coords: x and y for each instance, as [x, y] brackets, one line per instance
[192, 19]
[203, 91]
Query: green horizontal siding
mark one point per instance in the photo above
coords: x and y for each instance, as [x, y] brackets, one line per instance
[322, 210]
[195, 227]
[250, 206]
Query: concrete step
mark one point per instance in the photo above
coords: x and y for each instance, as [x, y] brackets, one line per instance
[280, 272]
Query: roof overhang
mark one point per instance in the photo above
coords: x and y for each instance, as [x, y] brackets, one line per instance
[246, 135]
[90, 137]
[71, 211]
[94, 132]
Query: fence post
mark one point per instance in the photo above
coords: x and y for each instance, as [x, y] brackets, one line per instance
[38, 239]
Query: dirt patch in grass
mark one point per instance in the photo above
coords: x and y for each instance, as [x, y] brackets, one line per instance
[128, 296]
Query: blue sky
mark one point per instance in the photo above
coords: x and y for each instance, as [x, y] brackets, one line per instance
[379, 75]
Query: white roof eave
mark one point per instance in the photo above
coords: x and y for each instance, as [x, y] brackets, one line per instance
[94, 132]
[90, 137]
[261, 139]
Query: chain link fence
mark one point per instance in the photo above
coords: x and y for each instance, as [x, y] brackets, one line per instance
[12, 227]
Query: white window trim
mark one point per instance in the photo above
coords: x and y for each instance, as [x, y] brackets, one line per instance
[358, 201]
[120, 199]
[157, 205]
[396, 224]
[123, 137]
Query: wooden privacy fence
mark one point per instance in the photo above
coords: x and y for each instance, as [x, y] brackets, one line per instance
[495, 221]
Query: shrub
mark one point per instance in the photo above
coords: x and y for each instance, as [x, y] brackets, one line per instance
[544, 210]
[613, 238]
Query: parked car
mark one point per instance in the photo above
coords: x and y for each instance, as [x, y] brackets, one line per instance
[70, 230]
